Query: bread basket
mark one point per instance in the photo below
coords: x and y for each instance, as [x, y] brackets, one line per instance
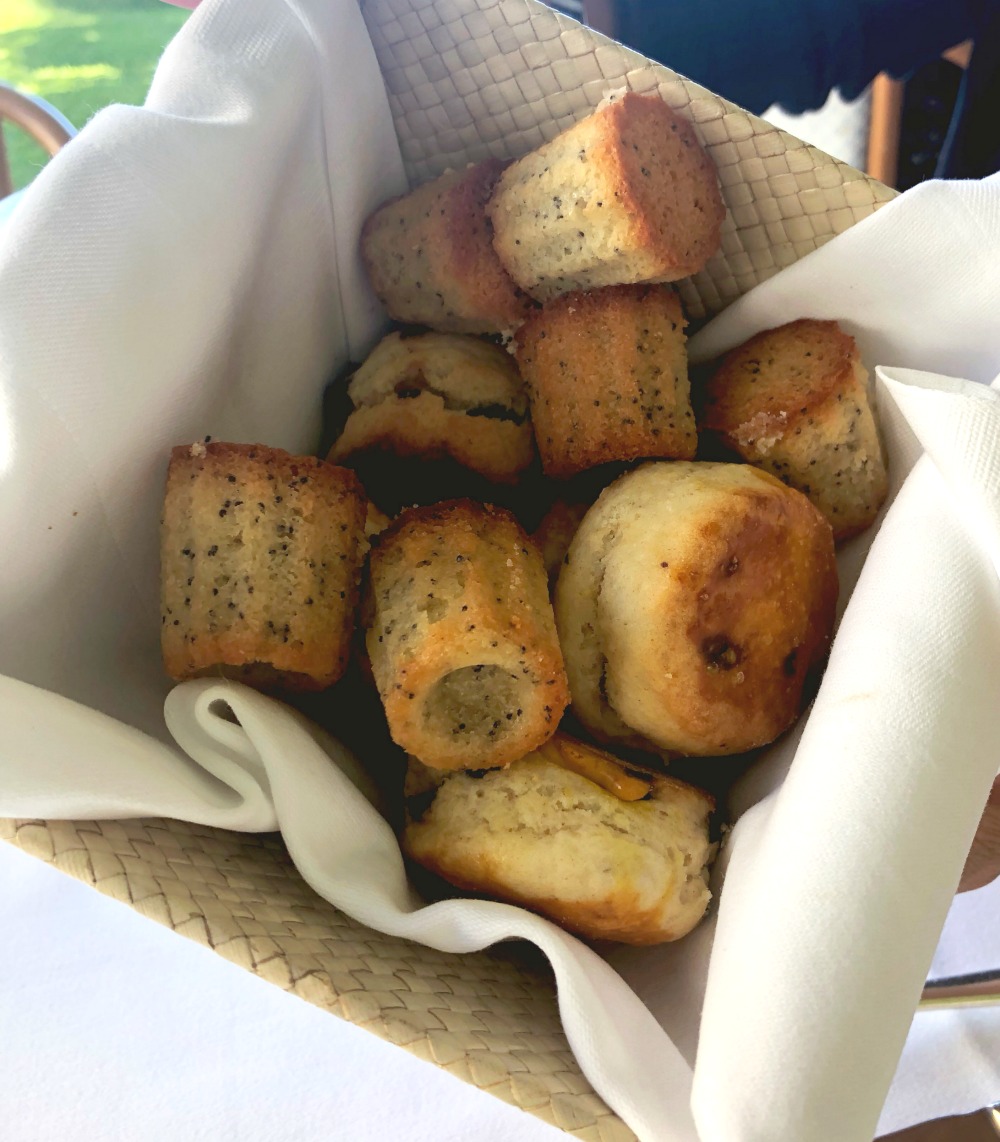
[465, 80]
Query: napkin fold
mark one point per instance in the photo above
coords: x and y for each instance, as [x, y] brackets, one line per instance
[190, 268]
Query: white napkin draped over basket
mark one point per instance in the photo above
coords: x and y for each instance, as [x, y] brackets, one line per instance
[191, 268]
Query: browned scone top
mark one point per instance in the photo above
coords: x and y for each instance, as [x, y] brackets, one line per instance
[462, 638]
[260, 560]
[431, 260]
[695, 605]
[605, 850]
[435, 395]
[625, 195]
[795, 401]
[607, 378]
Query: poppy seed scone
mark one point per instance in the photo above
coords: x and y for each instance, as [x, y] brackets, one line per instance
[260, 559]
[607, 378]
[795, 402]
[436, 395]
[695, 608]
[430, 256]
[625, 195]
[601, 848]
[462, 638]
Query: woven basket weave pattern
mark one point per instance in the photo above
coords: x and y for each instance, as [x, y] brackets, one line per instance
[470, 80]
[486, 1018]
[466, 80]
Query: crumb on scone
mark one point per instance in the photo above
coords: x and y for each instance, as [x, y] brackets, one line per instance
[796, 402]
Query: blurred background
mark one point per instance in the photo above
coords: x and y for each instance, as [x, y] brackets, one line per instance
[80, 55]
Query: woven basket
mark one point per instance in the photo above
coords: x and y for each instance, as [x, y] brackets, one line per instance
[466, 79]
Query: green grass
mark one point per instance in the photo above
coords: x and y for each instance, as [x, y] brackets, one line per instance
[79, 55]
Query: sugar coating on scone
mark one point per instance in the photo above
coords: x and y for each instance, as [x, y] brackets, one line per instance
[625, 195]
[462, 638]
[260, 560]
[437, 395]
[796, 401]
[695, 608]
[548, 836]
[430, 256]
[607, 378]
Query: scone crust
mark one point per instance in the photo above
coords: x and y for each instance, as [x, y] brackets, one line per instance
[261, 555]
[795, 401]
[430, 256]
[459, 598]
[549, 839]
[607, 378]
[696, 604]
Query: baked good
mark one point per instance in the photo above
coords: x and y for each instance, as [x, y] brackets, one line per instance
[607, 378]
[555, 533]
[376, 521]
[605, 850]
[462, 638]
[430, 257]
[625, 195]
[438, 395]
[695, 607]
[795, 402]
[260, 558]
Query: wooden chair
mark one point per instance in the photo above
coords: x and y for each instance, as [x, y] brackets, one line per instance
[50, 129]
[886, 113]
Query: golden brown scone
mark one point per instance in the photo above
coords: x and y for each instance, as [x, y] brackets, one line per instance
[260, 558]
[462, 638]
[436, 395]
[695, 605]
[376, 521]
[795, 402]
[603, 849]
[555, 533]
[625, 195]
[431, 260]
[607, 378]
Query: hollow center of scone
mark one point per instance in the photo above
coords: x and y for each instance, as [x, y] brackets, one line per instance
[475, 701]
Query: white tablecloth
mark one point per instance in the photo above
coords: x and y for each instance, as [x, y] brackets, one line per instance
[116, 1028]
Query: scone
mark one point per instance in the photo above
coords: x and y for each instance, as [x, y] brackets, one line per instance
[605, 850]
[555, 533]
[695, 608]
[260, 558]
[607, 378]
[795, 401]
[462, 638]
[625, 195]
[431, 260]
[432, 396]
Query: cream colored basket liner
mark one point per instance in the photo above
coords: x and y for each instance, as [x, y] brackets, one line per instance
[465, 81]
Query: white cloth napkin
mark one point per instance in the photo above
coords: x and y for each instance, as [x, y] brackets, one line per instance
[191, 268]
